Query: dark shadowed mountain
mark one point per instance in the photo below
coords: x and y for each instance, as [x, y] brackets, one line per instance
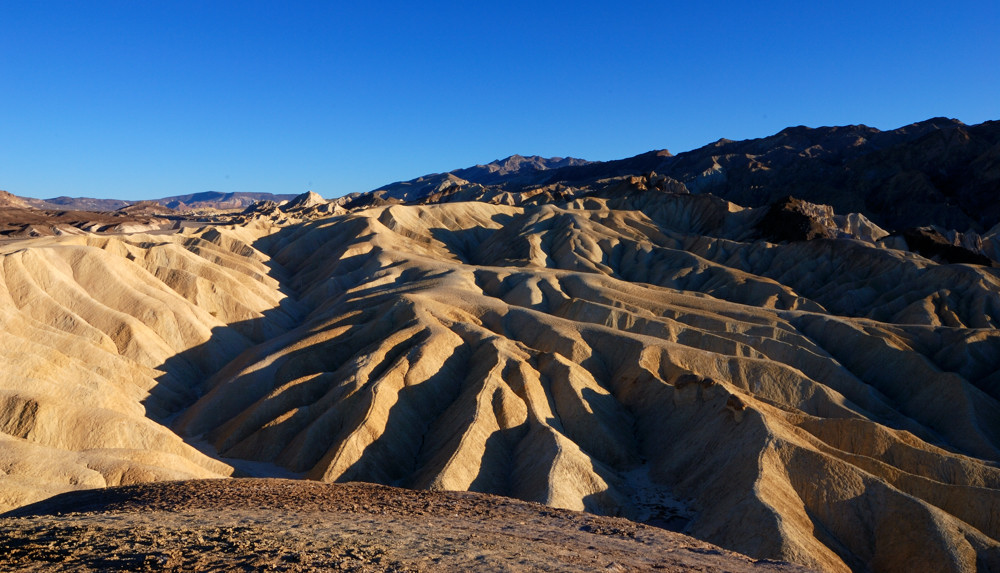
[936, 172]
[514, 170]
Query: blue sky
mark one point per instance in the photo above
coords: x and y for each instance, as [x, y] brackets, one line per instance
[145, 98]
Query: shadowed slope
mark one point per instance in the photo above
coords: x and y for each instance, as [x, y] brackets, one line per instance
[93, 331]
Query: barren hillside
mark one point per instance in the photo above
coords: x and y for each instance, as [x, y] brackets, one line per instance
[282, 525]
[785, 381]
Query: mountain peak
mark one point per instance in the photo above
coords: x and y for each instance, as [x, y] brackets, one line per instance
[305, 200]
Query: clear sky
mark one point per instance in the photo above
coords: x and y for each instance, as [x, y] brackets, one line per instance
[147, 98]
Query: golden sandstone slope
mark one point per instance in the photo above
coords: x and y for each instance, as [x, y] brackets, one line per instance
[833, 403]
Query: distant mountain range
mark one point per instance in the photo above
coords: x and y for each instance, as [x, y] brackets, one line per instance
[935, 172]
[189, 202]
[511, 170]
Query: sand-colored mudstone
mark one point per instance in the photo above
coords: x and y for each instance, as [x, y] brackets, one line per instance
[834, 402]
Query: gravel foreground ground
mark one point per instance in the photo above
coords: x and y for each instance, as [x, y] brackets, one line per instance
[290, 525]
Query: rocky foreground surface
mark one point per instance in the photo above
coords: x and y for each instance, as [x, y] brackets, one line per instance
[785, 380]
[285, 525]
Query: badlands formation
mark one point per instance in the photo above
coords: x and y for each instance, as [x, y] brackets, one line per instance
[785, 380]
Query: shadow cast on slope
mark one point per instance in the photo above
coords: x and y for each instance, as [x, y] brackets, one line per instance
[191, 375]
[187, 376]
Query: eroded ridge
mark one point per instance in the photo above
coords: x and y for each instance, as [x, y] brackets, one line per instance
[105, 338]
[643, 356]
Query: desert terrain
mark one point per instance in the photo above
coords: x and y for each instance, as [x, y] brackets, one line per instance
[786, 347]
[283, 525]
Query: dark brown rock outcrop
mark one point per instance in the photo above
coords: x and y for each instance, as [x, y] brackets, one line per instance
[932, 244]
[791, 219]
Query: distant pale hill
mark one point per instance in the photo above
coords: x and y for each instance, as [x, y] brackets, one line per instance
[189, 202]
[76, 203]
[219, 200]
[20, 219]
[10, 201]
